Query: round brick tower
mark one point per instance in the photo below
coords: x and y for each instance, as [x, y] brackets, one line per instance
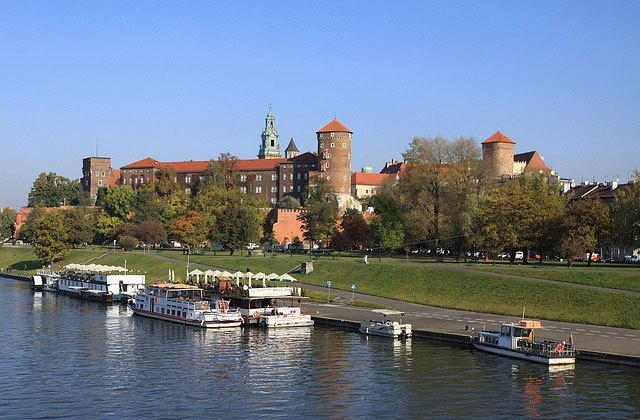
[498, 151]
[334, 156]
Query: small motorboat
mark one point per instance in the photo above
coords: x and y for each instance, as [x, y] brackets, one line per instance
[516, 340]
[387, 325]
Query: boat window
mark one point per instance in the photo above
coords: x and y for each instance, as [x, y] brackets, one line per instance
[184, 314]
[161, 310]
[505, 330]
[173, 312]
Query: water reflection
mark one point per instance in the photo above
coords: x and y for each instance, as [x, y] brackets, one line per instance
[69, 352]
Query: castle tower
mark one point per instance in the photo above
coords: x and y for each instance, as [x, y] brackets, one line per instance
[334, 156]
[269, 148]
[291, 151]
[96, 173]
[498, 151]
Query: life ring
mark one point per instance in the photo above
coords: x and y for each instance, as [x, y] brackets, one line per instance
[256, 314]
[559, 348]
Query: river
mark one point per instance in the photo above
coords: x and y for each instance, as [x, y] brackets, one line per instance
[64, 358]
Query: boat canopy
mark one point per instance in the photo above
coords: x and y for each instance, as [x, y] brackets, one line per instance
[95, 268]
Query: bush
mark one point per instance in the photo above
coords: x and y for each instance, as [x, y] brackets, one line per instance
[127, 242]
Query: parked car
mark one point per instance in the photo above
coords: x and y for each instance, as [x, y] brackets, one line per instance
[519, 255]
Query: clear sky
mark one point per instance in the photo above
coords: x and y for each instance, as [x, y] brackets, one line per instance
[189, 80]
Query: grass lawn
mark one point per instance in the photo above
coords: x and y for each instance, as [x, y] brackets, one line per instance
[24, 259]
[615, 279]
[478, 291]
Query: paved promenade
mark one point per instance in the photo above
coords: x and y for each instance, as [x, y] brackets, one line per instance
[586, 337]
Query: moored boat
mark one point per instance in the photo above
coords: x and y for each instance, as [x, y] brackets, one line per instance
[387, 326]
[517, 340]
[99, 283]
[269, 307]
[184, 304]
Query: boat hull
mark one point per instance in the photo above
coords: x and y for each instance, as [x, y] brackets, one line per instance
[383, 332]
[285, 321]
[186, 321]
[525, 356]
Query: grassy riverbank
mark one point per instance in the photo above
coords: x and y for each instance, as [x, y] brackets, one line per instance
[477, 288]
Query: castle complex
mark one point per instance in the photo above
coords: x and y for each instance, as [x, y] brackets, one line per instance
[271, 176]
[274, 177]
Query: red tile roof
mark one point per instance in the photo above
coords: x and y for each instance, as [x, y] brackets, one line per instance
[498, 137]
[369, 178]
[186, 166]
[334, 126]
[115, 176]
[258, 164]
[534, 162]
[144, 163]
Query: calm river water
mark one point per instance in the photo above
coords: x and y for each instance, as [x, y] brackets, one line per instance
[61, 358]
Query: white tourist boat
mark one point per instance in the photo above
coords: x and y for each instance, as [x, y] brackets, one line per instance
[184, 304]
[99, 282]
[50, 280]
[269, 307]
[387, 325]
[517, 340]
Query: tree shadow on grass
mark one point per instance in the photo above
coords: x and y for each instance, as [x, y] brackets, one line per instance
[26, 265]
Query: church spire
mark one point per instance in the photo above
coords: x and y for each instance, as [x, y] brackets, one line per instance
[269, 147]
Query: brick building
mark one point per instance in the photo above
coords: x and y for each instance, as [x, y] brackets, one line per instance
[96, 174]
[498, 150]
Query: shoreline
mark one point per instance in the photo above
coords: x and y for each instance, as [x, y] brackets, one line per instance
[466, 340]
[426, 334]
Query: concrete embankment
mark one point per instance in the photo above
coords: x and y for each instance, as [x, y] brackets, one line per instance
[465, 340]
[21, 277]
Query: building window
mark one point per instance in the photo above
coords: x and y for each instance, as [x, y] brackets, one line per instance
[102, 173]
[332, 136]
[298, 188]
[243, 189]
[130, 181]
[326, 165]
[284, 177]
[320, 135]
[328, 155]
[258, 177]
[328, 178]
[243, 178]
[344, 145]
[345, 177]
[273, 200]
[142, 180]
[322, 145]
[187, 179]
[187, 190]
[274, 189]
[274, 177]
[298, 176]
[258, 190]
[100, 182]
[342, 189]
[306, 175]
[97, 173]
[333, 144]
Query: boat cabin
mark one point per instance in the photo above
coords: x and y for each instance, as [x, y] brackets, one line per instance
[511, 335]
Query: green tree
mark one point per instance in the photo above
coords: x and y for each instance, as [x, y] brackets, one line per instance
[7, 223]
[105, 228]
[52, 190]
[29, 230]
[51, 238]
[594, 218]
[439, 172]
[127, 242]
[148, 206]
[151, 232]
[190, 229]
[289, 202]
[387, 226]
[119, 201]
[354, 231]
[626, 214]
[237, 226]
[320, 213]
[166, 183]
[80, 222]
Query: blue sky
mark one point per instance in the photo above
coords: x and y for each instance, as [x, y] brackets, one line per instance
[189, 80]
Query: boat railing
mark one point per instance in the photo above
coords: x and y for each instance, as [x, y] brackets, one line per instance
[547, 348]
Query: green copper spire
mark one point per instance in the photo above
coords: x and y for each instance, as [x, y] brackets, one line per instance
[269, 148]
